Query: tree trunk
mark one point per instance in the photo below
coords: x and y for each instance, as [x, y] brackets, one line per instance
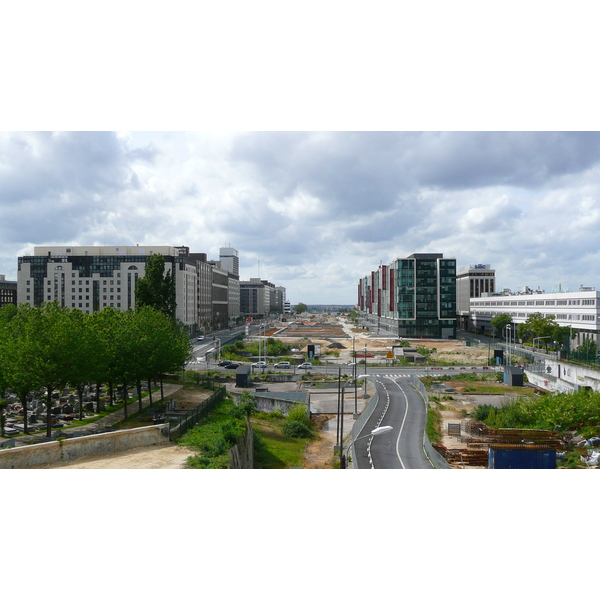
[23, 400]
[98, 396]
[110, 393]
[150, 390]
[48, 413]
[162, 394]
[125, 398]
[80, 394]
[2, 405]
[139, 392]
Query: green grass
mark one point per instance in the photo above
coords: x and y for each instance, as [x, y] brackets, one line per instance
[213, 436]
[433, 427]
[272, 449]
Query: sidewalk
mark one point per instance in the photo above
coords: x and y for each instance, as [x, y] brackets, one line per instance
[101, 425]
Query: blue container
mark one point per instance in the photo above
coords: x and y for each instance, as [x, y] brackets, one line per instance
[510, 456]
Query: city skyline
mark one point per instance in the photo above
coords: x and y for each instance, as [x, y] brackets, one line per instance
[314, 212]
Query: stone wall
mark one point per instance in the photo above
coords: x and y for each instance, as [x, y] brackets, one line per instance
[70, 449]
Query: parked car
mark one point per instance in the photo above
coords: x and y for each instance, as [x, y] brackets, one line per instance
[305, 366]
[232, 365]
[284, 364]
[260, 363]
[224, 363]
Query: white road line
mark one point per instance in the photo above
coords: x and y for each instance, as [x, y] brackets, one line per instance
[401, 427]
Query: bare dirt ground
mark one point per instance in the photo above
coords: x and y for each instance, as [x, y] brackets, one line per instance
[319, 453]
[161, 456]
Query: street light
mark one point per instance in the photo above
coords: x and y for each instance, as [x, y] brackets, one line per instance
[377, 431]
[508, 332]
[545, 337]
[340, 409]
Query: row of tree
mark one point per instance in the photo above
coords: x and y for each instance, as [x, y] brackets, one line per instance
[536, 327]
[53, 347]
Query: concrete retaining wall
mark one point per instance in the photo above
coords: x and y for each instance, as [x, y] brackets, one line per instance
[268, 404]
[102, 443]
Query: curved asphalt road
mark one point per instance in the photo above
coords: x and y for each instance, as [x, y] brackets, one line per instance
[402, 407]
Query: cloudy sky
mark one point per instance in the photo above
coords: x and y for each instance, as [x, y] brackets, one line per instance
[314, 211]
[318, 143]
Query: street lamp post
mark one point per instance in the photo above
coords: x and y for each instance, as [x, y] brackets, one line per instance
[508, 335]
[340, 410]
[377, 431]
[540, 338]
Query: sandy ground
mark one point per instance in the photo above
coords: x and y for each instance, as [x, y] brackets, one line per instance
[161, 456]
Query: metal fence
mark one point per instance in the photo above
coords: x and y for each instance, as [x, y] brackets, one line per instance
[194, 416]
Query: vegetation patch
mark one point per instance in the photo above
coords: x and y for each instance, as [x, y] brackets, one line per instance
[217, 433]
[272, 448]
[560, 412]
[433, 428]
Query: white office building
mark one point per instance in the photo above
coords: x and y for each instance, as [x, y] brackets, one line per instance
[579, 310]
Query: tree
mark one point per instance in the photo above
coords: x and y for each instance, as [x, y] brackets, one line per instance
[587, 351]
[157, 288]
[17, 357]
[55, 347]
[538, 327]
[89, 360]
[300, 308]
[500, 322]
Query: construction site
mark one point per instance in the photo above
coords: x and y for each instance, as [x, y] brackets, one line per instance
[464, 442]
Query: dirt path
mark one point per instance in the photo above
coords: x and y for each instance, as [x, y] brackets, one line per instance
[161, 456]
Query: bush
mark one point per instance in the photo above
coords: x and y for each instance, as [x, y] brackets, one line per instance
[296, 429]
[299, 413]
[482, 412]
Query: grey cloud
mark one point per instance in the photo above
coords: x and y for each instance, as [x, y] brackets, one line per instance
[48, 182]
[147, 154]
[360, 172]
[477, 159]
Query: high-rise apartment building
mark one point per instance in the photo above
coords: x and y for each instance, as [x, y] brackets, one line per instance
[413, 297]
[91, 278]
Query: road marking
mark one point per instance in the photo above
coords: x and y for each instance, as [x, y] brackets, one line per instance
[401, 426]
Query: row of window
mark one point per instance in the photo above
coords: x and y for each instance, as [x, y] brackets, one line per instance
[584, 302]
[559, 317]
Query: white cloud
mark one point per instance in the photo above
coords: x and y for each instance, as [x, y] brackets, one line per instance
[318, 210]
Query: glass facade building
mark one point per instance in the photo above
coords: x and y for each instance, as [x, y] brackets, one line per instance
[413, 297]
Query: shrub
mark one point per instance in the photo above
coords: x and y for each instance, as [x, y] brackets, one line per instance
[296, 429]
[482, 412]
[299, 413]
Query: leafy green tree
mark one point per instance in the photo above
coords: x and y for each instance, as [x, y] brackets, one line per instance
[55, 348]
[89, 361]
[500, 322]
[300, 308]
[561, 336]
[17, 357]
[587, 351]
[537, 326]
[157, 288]
[104, 329]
